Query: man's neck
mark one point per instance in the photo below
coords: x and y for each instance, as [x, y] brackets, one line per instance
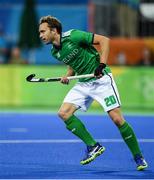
[57, 42]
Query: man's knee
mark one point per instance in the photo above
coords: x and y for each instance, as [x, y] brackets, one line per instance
[66, 111]
[63, 114]
[118, 120]
[116, 117]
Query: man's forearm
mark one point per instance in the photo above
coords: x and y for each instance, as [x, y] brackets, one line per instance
[104, 46]
[70, 72]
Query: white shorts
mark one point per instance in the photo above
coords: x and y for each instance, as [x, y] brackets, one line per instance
[103, 90]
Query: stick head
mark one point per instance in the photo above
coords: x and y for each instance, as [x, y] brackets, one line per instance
[30, 77]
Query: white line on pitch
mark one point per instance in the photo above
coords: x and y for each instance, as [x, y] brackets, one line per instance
[76, 179]
[39, 141]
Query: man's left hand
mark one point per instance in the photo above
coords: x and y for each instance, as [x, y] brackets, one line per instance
[99, 70]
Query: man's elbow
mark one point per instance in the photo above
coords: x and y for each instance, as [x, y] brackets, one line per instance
[105, 39]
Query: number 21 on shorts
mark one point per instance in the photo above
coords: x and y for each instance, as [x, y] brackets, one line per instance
[110, 100]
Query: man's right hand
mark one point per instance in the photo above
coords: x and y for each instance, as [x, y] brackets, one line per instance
[64, 80]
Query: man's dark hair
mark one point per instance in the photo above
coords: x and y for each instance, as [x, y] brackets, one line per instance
[52, 23]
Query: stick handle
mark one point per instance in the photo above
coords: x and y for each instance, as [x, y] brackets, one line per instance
[80, 76]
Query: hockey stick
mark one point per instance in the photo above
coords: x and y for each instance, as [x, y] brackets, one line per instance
[31, 78]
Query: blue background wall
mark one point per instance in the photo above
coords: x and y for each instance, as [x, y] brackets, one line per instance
[72, 16]
[46, 1]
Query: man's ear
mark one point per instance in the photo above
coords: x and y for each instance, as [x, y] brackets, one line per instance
[54, 30]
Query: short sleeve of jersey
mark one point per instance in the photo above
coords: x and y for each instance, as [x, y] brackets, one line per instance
[82, 37]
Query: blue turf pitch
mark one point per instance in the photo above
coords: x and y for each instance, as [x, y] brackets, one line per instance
[38, 146]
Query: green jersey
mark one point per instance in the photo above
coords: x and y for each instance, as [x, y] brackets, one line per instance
[78, 52]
